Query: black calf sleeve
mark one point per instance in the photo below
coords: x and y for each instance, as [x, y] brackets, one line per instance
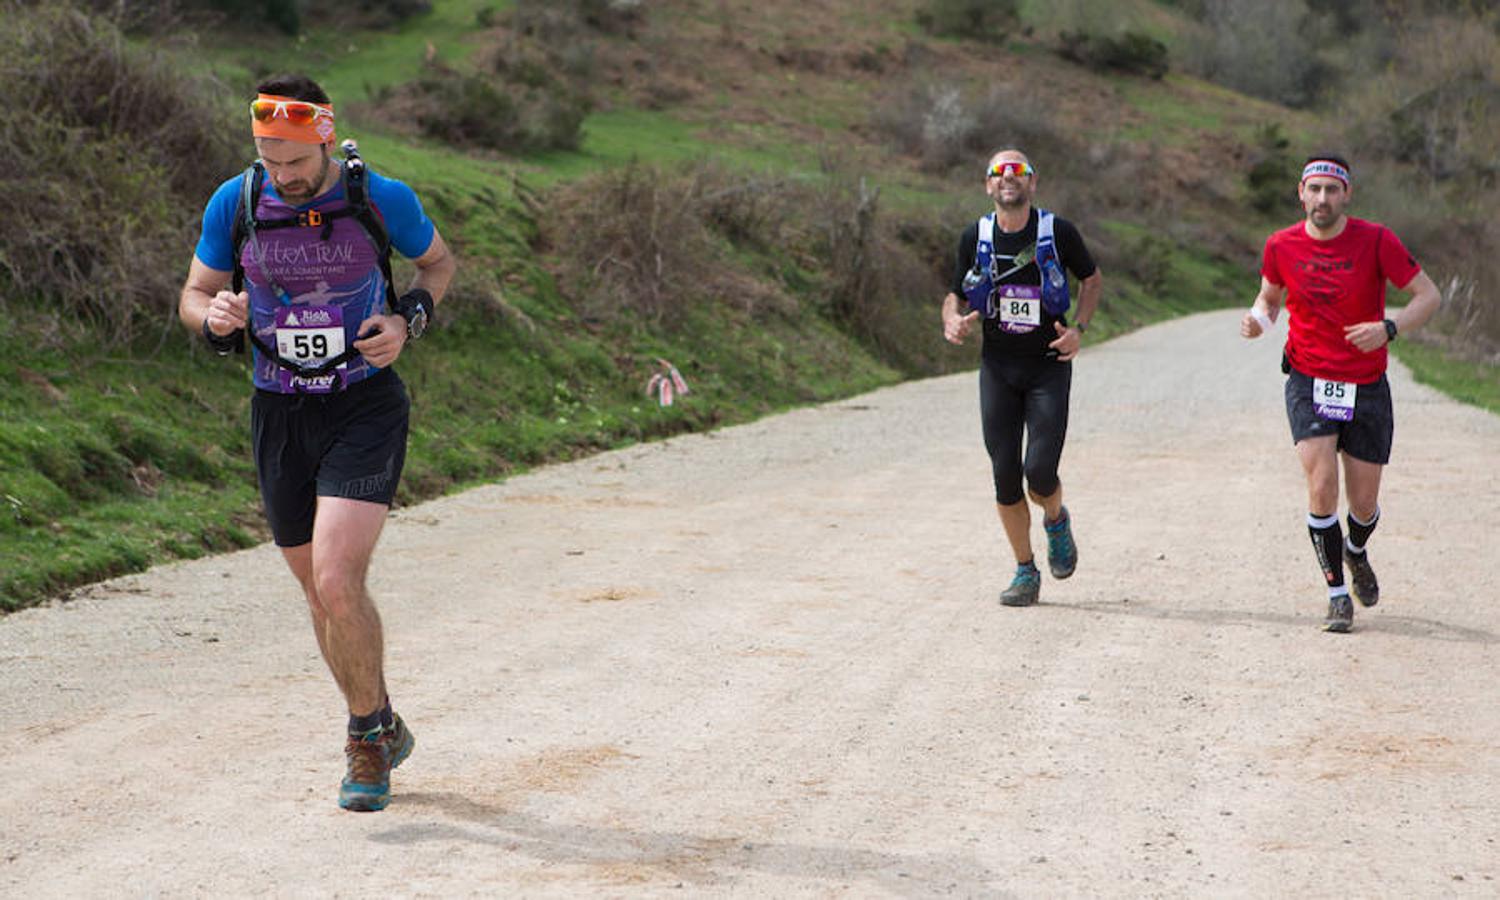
[1328, 542]
[1359, 532]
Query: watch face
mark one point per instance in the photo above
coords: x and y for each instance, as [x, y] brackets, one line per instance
[417, 325]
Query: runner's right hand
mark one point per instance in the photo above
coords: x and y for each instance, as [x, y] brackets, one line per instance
[957, 328]
[227, 312]
[1249, 328]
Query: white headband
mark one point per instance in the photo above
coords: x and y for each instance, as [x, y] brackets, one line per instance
[1326, 167]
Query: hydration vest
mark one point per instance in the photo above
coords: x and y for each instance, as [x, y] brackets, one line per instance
[356, 205]
[982, 283]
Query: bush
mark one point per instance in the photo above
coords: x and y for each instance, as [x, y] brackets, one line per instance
[644, 242]
[476, 110]
[1267, 48]
[104, 189]
[945, 125]
[981, 19]
[1132, 52]
[1274, 172]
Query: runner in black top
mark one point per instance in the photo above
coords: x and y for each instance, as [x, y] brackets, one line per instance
[1026, 362]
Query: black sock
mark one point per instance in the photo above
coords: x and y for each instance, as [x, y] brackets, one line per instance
[387, 717]
[364, 724]
[1359, 532]
[1328, 542]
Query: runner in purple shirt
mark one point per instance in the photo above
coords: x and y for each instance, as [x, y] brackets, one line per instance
[305, 279]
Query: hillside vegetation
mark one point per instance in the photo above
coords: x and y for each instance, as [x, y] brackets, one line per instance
[764, 194]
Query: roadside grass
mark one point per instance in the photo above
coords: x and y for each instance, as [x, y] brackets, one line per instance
[1468, 381]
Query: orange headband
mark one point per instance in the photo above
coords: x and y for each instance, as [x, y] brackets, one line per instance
[272, 117]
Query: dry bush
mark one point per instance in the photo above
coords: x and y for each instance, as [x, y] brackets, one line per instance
[1266, 48]
[642, 241]
[946, 125]
[653, 243]
[110, 154]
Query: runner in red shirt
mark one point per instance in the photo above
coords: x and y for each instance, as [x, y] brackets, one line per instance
[1331, 272]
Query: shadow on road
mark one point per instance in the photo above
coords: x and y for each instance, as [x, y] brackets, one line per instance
[1373, 621]
[665, 856]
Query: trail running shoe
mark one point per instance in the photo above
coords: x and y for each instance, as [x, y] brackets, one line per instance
[1062, 553]
[1024, 588]
[1366, 588]
[1340, 614]
[371, 757]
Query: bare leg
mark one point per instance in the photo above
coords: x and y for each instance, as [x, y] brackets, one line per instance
[332, 571]
[1016, 519]
[1319, 458]
[1051, 505]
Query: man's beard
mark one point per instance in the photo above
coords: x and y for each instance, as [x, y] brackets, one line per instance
[1324, 218]
[1015, 201]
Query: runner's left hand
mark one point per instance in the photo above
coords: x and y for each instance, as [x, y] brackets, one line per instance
[1366, 336]
[381, 339]
[1069, 342]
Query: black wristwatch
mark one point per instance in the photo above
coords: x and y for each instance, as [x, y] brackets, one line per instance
[221, 344]
[415, 306]
[1081, 326]
[1390, 331]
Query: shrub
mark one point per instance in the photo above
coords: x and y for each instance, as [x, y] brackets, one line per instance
[946, 125]
[104, 190]
[647, 242]
[1132, 52]
[1274, 171]
[982, 19]
[477, 110]
[1268, 48]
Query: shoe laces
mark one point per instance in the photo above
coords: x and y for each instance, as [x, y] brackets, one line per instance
[369, 757]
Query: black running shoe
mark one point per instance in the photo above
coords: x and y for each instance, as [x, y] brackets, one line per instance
[1366, 588]
[1340, 614]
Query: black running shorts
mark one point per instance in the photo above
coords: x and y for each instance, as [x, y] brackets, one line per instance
[349, 444]
[1368, 437]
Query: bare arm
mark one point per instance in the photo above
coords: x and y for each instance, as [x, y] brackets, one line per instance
[206, 297]
[1425, 299]
[435, 268]
[385, 334]
[1267, 303]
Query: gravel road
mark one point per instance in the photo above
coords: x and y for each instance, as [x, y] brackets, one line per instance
[769, 661]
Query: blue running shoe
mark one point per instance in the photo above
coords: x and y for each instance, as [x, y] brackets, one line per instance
[371, 757]
[1062, 553]
[1024, 588]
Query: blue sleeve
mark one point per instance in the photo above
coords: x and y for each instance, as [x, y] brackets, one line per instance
[216, 240]
[410, 230]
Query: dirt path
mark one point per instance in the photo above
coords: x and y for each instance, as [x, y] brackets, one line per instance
[769, 661]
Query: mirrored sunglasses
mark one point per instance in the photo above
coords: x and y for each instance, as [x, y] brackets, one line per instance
[297, 112]
[1011, 167]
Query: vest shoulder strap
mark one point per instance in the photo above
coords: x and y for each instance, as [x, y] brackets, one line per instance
[244, 218]
[1044, 226]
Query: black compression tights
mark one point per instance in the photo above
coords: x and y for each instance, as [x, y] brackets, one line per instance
[1029, 394]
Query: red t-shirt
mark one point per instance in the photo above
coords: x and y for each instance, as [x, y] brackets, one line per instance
[1331, 284]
